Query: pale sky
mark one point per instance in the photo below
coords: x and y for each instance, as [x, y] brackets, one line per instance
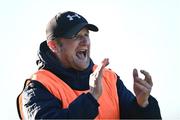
[142, 34]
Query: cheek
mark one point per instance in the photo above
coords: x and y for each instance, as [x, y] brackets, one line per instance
[69, 50]
[70, 47]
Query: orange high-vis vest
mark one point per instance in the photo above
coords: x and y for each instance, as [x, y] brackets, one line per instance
[109, 103]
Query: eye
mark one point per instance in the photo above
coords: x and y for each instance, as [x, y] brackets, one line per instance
[86, 35]
[80, 37]
[76, 37]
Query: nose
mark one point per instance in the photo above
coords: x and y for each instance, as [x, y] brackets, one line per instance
[84, 40]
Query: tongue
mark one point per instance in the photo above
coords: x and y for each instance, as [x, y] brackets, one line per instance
[80, 55]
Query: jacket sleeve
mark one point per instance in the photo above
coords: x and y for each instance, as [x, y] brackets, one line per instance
[39, 103]
[129, 107]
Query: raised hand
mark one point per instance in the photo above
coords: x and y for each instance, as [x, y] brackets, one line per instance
[95, 79]
[142, 87]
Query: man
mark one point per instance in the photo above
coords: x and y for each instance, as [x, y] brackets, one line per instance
[68, 85]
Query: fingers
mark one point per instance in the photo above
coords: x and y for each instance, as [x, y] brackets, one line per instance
[142, 83]
[96, 76]
[142, 88]
[147, 82]
[104, 63]
[135, 74]
[100, 67]
[147, 77]
[95, 79]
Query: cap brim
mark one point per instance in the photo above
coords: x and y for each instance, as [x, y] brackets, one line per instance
[78, 27]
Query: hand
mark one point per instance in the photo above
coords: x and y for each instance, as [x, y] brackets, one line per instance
[142, 87]
[95, 79]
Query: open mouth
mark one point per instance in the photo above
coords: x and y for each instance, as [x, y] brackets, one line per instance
[82, 54]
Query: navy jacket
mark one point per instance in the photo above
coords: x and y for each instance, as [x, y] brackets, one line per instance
[40, 103]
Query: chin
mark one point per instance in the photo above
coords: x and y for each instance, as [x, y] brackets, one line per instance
[82, 67]
[81, 64]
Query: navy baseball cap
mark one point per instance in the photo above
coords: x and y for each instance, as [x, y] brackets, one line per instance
[67, 25]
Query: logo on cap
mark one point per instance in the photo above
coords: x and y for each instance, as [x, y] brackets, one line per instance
[71, 16]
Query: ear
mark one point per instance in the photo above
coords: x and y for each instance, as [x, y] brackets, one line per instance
[52, 45]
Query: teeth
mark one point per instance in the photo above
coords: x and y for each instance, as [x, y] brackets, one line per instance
[82, 50]
[82, 53]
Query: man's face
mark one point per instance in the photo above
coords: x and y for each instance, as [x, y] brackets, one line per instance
[75, 52]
